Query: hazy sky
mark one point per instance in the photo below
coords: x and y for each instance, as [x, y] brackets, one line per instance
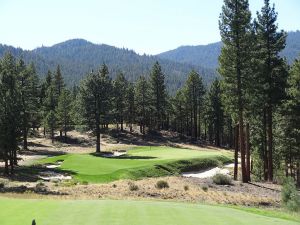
[146, 26]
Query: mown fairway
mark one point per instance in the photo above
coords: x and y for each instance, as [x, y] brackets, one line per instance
[110, 212]
[139, 162]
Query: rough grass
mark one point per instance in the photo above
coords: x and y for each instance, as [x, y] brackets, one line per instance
[138, 163]
[110, 212]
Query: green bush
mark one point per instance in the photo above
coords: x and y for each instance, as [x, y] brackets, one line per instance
[221, 179]
[133, 187]
[162, 184]
[205, 188]
[290, 196]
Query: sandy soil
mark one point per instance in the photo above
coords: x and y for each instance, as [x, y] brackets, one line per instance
[180, 188]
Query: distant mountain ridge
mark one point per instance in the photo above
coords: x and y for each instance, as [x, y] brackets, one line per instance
[77, 57]
[207, 55]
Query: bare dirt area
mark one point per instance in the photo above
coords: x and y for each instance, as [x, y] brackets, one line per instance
[180, 189]
[188, 189]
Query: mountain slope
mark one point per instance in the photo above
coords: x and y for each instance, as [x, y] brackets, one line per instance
[78, 57]
[207, 55]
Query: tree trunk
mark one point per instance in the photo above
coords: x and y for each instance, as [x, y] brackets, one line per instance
[265, 149]
[25, 144]
[270, 143]
[248, 164]
[52, 135]
[6, 170]
[236, 152]
[122, 129]
[98, 137]
[60, 134]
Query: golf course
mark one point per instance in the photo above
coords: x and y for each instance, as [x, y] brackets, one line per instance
[139, 162]
[111, 212]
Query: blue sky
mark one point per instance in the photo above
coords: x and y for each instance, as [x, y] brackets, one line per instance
[146, 26]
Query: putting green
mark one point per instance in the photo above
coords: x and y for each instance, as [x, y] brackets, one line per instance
[139, 162]
[113, 212]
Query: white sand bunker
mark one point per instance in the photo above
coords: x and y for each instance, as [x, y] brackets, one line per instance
[208, 173]
[211, 172]
[115, 154]
[53, 166]
[50, 176]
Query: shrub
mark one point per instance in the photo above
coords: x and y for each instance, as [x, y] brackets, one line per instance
[289, 195]
[84, 182]
[162, 184]
[221, 179]
[133, 187]
[186, 187]
[40, 187]
[2, 185]
[205, 188]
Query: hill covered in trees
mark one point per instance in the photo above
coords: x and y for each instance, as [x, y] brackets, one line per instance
[78, 57]
[207, 55]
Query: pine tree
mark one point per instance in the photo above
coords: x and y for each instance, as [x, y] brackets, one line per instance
[50, 118]
[194, 91]
[216, 113]
[235, 28]
[59, 87]
[290, 125]
[271, 75]
[130, 106]
[10, 114]
[28, 82]
[120, 85]
[95, 99]
[158, 96]
[58, 82]
[64, 110]
[142, 102]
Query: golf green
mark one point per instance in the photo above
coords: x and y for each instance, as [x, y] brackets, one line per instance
[139, 162]
[121, 212]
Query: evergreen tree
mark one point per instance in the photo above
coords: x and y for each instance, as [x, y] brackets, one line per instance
[120, 85]
[158, 96]
[194, 91]
[142, 102]
[130, 106]
[50, 118]
[10, 115]
[28, 83]
[216, 113]
[290, 125]
[271, 76]
[235, 28]
[58, 82]
[95, 99]
[64, 110]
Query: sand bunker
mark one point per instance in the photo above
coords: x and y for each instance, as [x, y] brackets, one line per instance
[51, 175]
[211, 172]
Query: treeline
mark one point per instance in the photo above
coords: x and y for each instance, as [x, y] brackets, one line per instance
[261, 92]
[254, 108]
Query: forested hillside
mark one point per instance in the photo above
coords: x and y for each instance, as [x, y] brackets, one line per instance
[207, 55]
[78, 57]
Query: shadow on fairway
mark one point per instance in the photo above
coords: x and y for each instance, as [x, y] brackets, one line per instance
[104, 155]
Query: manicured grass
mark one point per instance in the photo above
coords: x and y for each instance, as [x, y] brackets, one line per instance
[110, 212]
[140, 162]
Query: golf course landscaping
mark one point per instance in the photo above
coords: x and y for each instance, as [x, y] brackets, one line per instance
[139, 162]
[123, 212]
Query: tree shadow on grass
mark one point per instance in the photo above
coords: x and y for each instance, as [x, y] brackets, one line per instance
[31, 173]
[110, 156]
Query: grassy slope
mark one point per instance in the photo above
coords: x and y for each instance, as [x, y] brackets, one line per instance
[110, 212]
[141, 162]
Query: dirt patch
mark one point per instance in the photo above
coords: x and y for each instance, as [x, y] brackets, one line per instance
[180, 189]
